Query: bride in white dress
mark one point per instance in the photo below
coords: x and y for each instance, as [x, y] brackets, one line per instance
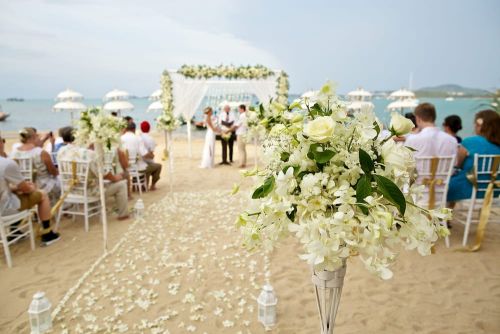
[207, 159]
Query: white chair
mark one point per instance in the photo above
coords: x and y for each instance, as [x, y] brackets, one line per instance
[26, 167]
[9, 229]
[138, 178]
[109, 161]
[434, 172]
[78, 201]
[468, 211]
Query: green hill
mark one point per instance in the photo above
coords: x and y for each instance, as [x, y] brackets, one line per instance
[452, 90]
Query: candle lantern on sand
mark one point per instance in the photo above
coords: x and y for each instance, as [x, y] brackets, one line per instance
[39, 313]
[267, 306]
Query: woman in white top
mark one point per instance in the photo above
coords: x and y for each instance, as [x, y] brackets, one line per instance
[207, 159]
[45, 173]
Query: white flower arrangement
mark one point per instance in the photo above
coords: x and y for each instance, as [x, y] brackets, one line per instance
[333, 182]
[96, 126]
[282, 88]
[167, 121]
[225, 71]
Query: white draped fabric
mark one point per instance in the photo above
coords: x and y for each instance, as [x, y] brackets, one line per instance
[188, 93]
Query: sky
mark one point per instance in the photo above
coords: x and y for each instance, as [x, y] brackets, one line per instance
[94, 46]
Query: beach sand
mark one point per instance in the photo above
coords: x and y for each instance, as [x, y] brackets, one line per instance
[448, 292]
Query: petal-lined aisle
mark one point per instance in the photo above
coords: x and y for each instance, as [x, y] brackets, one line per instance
[183, 253]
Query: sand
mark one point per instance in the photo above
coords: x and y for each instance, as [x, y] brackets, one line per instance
[188, 238]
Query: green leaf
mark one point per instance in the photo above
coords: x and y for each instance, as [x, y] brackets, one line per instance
[285, 156]
[377, 128]
[391, 192]
[366, 162]
[291, 214]
[261, 109]
[264, 189]
[320, 156]
[363, 189]
[316, 110]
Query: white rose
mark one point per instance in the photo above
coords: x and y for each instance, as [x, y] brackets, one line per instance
[320, 129]
[400, 125]
[397, 156]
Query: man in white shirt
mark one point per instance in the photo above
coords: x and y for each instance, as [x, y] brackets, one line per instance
[430, 141]
[137, 153]
[150, 146]
[241, 132]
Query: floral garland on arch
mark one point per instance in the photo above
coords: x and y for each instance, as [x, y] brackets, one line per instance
[167, 121]
[334, 182]
[97, 126]
[282, 88]
[225, 71]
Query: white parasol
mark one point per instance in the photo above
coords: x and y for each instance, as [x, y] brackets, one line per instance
[155, 106]
[403, 104]
[402, 94]
[116, 94]
[156, 95]
[358, 105]
[118, 106]
[69, 95]
[359, 94]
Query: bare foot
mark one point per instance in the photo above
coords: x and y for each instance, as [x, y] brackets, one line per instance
[124, 217]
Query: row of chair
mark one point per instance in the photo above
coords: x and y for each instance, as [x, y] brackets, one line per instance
[78, 202]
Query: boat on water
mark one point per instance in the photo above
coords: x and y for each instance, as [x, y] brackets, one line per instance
[3, 115]
[449, 99]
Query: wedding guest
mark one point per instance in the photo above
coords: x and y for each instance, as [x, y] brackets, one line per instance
[227, 125]
[451, 125]
[138, 153]
[45, 173]
[128, 119]
[65, 133]
[486, 141]
[241, 132]
[207, 158]
[2, 148]
[430, 141]
[117, 188]
[16, 195]
[150, 146]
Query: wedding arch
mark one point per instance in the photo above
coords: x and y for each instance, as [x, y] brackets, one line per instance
[183, 90]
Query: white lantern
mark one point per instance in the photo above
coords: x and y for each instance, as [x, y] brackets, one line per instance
[139, 209]
[39, 312]
[267, 306]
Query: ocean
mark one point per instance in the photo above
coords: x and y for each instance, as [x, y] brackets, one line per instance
[39, 114]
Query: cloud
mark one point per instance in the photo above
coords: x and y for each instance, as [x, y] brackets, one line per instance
[112, 44]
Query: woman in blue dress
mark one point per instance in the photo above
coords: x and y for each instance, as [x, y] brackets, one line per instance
[486, 141]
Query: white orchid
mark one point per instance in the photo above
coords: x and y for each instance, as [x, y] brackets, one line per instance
[333, 182]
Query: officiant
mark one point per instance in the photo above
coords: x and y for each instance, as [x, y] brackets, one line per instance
[227, 137]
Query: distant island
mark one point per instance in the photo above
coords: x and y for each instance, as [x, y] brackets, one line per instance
[15, 99]
[452, 90]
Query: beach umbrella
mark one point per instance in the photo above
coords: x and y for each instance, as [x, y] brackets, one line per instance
[403, 104]
[358, 105]
[156, 95]
[155, 106]
[71, 106]
[116, 94]
[118, 106]
[69, 95]
[402, 94]
[359, 94]
[309, 94]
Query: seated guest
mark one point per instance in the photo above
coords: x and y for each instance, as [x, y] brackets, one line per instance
[128, 119]
[2, 148]
[150, 146]
[138, 154]
[486, 141]
[118, 186]
[45, 173]
[430, 141]
[451, 125]
[16, 195]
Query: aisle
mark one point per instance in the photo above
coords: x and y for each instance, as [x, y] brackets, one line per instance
[180, 270]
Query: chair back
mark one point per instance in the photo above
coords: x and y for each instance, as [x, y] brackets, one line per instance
[74, 171]
[26, 167]
[434, 173]
[481, 174]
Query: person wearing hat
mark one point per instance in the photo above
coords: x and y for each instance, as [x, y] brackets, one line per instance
[153, 169]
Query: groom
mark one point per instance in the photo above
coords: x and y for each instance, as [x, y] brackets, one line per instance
[228, 136]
